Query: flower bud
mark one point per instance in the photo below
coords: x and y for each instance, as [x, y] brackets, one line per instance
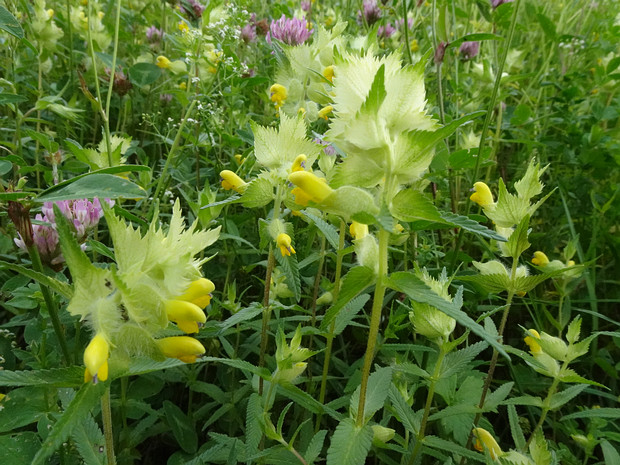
[185, 348]
[381, 434]
[284, 242]
[199, 292]
[300, 163]
[484, 440]
[313, 188]
[326, 110]
[186, 315]
[230, 181]
[532, 342]
[540, 259]
[328, 73]
[482, 195]
[96, 359]
[163, 62]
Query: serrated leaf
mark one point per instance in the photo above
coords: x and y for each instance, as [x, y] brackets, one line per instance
[515, 427]
[315, 446]
[9, 23]
[411, 205]
[349, 444]
[376, 94]
[58, 377]
[258, 193]
[517, 242]
[470, 225]
[561, 398]
[497, 397]
[88, 440]
[457, 361]
[418, 291]
[405, 413]
[86, 398]
[57, 286]
[524, 400]
[570, 376]
[377, 391]
[348, 312]
[354, 282]
[19, 448]
[605, 412]
[539, 450]
[290, 267]
[182, 427]
[104, 186]
[329, 231]
[242, 315]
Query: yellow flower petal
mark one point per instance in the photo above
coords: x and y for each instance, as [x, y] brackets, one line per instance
[358, 230]
[284, 242]
[532, 342]
[163, 62]
[96, 358]
[230, 181]
[199, 292]
[484, 439]
[540, 259]
[323, 112]
[328, 73]
[300, 163]
[312, 186]
[185, 348]
[482, 195]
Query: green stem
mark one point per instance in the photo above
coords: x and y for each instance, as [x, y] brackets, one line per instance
[51, 306]
[111, 84]
[406, 26]
[429, 403]
[332, 327]
[375, 319]
[106, 415]
[173, 149]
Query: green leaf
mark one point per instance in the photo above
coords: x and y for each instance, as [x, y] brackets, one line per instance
[349, 444]
[348, 312]
[515, 427]
[88, 440]
[22, 407]
[561, 398]
[329, 231]
[291, 270]
[548, 26]
[9, 23]
[258, 193]
[448, 446]
[349, 201]
[182, 427]
[418, 291]
[57, 377]
[57, 286]
[86, 398]
[405, 413]
[524, 400]
[306, 401]
[458, 361]
[411, 205]
[472, 226]
[376, 94]
[606, 412]
[95, 185]
[539, 450]
[498, 396]
[354, 282]
[5, 167]
[19, 448]
[315, 447]
[144, 74]
[609, 452]
[253, 432]
[520, 115]
[378, 389]
[241, 365]
[517, 242]
[6, 98]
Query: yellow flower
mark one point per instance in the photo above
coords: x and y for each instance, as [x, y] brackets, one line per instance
[484, 439]
[230, 181]
[535, 348]
[570, 263]
[482, 195]
[358, 230]
[284, 242]
[239, 158]
[100, 14]
[50, 13]
[301, 111]
[309, 187]
[183, 86]
[2, 396]
[185, 348]
[187, 315]
[278, 94]
[300, 163]
[540, 259]
[325, 111]
[328, 73]
[163, 62]
[199, 292]
[96, 359]
[183, 27]
[413, 46]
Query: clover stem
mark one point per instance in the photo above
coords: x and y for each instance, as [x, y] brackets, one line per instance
[52, 309]
[429, 403]
[332, 327]
[106, 415]
[375, 320]
[111, 83]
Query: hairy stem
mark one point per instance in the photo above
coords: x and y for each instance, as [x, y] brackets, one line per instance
[106, 415]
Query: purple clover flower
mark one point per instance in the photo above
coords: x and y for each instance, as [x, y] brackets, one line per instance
[306, 5]
[496, 3]
[197, 7]
[400, 22]
[248, 32]
[83, 214]
[290, 31]
[328, 148]
[469, 50]
[370, 12]
[385, 32]
[154, 34]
